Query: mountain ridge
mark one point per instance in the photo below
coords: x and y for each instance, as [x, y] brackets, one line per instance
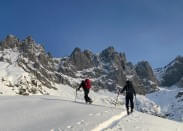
[108, 69]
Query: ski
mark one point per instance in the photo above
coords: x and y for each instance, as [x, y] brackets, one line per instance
[116, 102]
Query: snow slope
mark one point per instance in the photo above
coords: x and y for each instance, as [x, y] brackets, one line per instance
[50, 113]
[166, 99]
[62, 113]
[143, 122]
[45, 113]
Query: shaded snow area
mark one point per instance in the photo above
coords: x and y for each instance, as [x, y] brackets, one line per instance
[170, 105]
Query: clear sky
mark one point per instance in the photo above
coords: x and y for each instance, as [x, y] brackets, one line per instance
[149, 30]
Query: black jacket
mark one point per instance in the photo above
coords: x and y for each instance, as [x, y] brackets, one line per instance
[128, 88]
[82, 85]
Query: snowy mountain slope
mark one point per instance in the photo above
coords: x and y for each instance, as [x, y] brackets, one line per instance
[163, 103]
[62, 113]
[50, 113]
[143, 122]
[171, 74]
[169, 102]
[107, 98]
[45, 113]
[25, 67]
[170, 96]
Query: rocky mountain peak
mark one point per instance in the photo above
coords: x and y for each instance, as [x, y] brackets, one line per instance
[172, 74]
[75, 52]
[10, 41]
[179, 57]
[107, 70]
[109, 49]
[29, 40]
[10, 36]
[145, 72]
[107, 53]
[81, 59]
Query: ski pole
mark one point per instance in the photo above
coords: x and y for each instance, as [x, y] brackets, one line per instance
[75, 94]
[136, 103]
[117, 99]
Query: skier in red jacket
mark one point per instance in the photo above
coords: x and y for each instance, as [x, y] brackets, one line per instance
[86, 85]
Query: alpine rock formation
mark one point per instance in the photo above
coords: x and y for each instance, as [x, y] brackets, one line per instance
[28, 69]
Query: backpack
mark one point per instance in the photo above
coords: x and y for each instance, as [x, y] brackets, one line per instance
[130, 89]
[87, 84]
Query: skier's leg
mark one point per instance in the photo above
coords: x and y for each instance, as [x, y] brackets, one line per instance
[127, 104]
[89, 99]
[86, 95]
[131, 103]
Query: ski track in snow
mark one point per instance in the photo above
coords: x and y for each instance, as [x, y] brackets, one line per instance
[142, 122]
[111, 121]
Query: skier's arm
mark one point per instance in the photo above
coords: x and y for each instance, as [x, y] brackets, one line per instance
[79, 87]
[134, 92]
[124, 88]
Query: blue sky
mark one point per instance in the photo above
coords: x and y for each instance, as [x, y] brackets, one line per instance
[149, 30]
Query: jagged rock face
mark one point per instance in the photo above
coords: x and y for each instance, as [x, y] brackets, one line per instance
[145, 72]
[10, 42]
[109, 55]
[33, 59]
[180, 94]
[82, 60]
[107, 70]
[173, 73]
[180, 83]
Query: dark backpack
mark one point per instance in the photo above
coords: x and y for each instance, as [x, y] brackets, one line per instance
[129, 89]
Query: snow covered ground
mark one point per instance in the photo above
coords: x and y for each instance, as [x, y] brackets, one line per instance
[46, 113]
[51, 113]
[62, 113]
[144, 122]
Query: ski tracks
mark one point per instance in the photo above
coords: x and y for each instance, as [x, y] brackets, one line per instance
[110, 122]
[118, 126]
[83, 124]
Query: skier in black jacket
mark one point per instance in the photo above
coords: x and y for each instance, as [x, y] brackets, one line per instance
[128, 88]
